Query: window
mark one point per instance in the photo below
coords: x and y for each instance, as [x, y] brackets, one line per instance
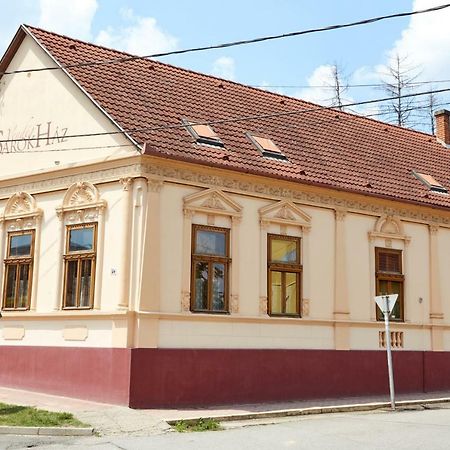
[79, 266]
[18, 270]
[284, 275]
[389, 279]
[267, 147]
[430, 182]
[203, 134]
[210, 267]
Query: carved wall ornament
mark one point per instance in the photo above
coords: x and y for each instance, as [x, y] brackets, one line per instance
[389, 227]
[82, 203]
[155, 185]
[20, 206]
[340, 213]
[389, 224]
[29, 223]
[263, 306]
[284, 213]
[434, 228]
[185, 301]
[305, 307]
[212, 201]
[126, 183]
[234, 307]
[80, 194]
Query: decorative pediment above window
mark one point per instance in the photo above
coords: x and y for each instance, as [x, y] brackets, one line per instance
[83, 201]
[21, 212]
[389, 227]
[284, 213]
[212, 201]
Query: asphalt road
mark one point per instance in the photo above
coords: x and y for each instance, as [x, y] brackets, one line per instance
[406, 429]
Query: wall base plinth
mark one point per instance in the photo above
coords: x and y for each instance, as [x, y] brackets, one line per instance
[152, 377]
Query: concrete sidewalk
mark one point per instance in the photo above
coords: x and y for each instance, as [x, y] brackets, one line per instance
[116, 420]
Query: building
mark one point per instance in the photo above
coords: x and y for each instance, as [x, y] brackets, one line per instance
[171, 238]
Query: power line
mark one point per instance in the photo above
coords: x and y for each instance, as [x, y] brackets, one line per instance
[43, 150]
[318, 86]
[234, 43]
[225, 120]
[354, 115]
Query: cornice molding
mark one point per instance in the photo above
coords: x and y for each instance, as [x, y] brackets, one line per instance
[168, 171]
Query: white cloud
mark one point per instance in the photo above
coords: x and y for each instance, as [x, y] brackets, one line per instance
[424, 44]
[426, 40]
[224, 67]
[321, 76]
[365, 75]
[322, 87]
[140, 36]
[73, 18]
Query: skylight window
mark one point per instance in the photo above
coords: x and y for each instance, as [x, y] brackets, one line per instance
[203, 134]
[267, 147]
[430, 182]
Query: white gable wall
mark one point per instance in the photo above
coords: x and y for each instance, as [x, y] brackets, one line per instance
[50, 104]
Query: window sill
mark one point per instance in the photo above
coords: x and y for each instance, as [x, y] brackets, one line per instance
[79, 308]
[392, 320]
[203, 311]
[292, 316]
[15, 309]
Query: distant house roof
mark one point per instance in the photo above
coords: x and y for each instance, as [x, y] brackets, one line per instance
[322, 146]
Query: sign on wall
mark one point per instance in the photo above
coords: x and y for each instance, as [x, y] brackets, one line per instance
[39, 135]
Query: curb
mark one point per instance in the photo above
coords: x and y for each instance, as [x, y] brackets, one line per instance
[47, 431]
[308, 411]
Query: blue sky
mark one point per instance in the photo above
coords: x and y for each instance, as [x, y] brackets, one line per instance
[144, 27]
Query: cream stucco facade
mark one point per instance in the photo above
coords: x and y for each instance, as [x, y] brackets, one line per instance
[144, 208]
[338, 232]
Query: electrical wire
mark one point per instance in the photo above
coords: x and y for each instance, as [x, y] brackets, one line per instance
[226, 120]
[67, 149]
[354, 115]
[231, 44]
[324, 86]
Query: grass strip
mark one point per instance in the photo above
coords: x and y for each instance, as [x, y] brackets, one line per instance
[27, 416]
[184, 426]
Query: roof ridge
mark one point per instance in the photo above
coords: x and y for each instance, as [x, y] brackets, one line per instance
[246, 86]
[115, 50]
[156, 61]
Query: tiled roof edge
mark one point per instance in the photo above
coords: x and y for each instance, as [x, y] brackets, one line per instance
[201, 74]
[149, 152]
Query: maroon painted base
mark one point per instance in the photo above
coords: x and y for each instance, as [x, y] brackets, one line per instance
[99, 374]
[148, 378]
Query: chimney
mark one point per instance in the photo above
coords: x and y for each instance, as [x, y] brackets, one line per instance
[442, 118]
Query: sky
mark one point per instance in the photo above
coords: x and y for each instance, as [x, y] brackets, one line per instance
[292, 66]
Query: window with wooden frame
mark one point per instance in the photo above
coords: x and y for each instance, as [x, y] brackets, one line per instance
[79, 266]
[390, 279]
[18, 270]
[210, 269]
[284, 275]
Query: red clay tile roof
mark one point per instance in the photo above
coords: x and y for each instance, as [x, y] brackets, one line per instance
[324, 147]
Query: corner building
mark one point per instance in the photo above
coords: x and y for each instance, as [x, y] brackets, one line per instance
[156, 251]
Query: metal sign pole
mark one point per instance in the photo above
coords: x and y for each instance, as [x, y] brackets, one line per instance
[389, 353]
